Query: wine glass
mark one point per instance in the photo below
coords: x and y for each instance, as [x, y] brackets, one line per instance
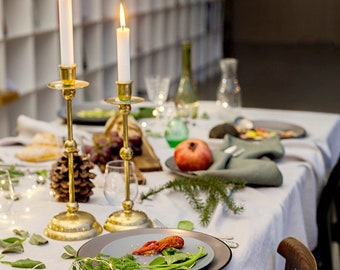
[114, 183]
[6, 197]
[157, 88]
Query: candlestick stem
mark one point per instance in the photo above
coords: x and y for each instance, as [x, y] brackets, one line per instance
[128, 218]
[72, 224]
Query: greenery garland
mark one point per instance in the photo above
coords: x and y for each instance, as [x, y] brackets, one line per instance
[216, 190]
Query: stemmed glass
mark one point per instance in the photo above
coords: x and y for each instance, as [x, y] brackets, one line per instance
[7, 197]
[114, 183]
[157, 88]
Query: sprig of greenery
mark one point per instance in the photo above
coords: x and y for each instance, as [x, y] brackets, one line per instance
[216, 190]
[43, 173]
[14, 172]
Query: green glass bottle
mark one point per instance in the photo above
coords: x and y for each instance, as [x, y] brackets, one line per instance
[186, 99]
[176, 131]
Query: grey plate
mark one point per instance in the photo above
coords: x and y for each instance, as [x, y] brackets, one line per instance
[222, 253]
[171, 164]
[281, 126]
[128, 244]
[76, 108]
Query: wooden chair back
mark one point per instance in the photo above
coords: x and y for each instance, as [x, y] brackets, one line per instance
[297, 255]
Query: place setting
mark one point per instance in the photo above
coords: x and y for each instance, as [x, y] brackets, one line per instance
[218, 254]
[233, 158]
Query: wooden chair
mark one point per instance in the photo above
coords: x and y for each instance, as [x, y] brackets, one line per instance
[297, 255]
[328, 227]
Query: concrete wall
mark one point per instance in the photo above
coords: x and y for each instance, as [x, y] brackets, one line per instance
[286, 21]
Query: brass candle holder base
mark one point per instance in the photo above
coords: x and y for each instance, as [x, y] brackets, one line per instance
[71, 227]
[72, 224]
[122, 221]
[128, 218]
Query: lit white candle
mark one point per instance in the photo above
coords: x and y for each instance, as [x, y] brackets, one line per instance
[123, 49]
[66, 32]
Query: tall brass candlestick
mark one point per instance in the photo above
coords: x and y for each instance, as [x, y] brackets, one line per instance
[128, 218]
[72, 224]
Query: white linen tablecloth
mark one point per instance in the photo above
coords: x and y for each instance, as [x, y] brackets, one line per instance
[270, 213]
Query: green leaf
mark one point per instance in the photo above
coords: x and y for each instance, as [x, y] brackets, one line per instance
[43, 173]
[180, 260]
[10, 240]
[67, 256]
[205, 115]
[15, 247]
[70, 253]
[37, 239]
[178, 257]
[13, 172]
[26, 263]
[158, 261]
[185, 225]
[22, 233]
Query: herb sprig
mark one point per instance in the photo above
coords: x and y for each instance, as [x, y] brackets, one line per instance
[216, 190]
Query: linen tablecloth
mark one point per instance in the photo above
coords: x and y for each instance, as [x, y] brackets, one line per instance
[270, 214]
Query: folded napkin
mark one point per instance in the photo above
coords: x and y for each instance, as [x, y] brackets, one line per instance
[27, 127]
[270, 147]
[248, 166]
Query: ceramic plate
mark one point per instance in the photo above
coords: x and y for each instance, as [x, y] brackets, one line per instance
[219, 254]
[171, 164]
[128, 244]
[138, 111]
[280, 126]
[77, 109]
[286, 130]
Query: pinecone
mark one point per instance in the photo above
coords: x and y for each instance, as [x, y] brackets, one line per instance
[82, 178]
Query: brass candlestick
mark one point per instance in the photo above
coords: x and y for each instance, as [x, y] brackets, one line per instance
[72, 224]
[127, 218]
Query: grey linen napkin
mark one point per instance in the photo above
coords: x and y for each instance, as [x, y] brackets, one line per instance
[248, 166]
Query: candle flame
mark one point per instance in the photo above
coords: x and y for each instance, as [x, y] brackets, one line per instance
[122, 16]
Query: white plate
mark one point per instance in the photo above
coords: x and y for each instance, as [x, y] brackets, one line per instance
[127, 245]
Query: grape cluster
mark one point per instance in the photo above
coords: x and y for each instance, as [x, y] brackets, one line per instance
[106, 148]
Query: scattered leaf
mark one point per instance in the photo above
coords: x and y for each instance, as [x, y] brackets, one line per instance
[205, 115]
[37, 239]
[26, 263]
[70, 253]
[22, 233]
[43, 173]
[13, 172]
[185, 225]
[10, 240]
[15, 247]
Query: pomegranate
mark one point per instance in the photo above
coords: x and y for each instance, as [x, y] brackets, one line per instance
[193, 155]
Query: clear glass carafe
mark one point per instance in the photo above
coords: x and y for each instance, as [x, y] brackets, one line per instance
[228, 96]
